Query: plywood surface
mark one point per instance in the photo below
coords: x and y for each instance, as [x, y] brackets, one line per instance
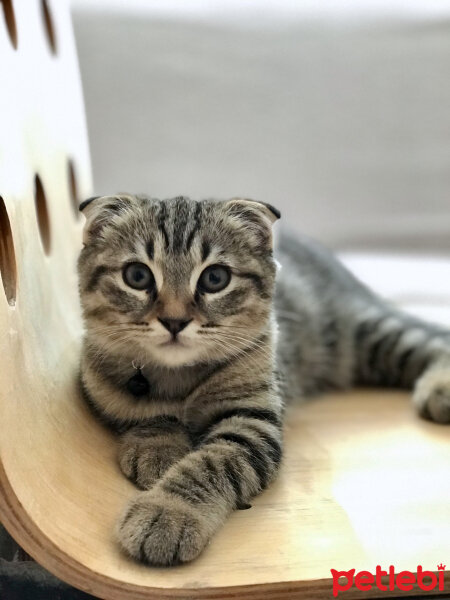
[364, 481]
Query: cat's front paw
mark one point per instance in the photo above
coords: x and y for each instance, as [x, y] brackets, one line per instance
[159, 531]
[432, 394]
[144, 460]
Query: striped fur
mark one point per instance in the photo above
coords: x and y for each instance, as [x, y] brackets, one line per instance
[199, 414]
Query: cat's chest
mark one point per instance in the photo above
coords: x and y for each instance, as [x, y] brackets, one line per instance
[148, 394]
[133, 395]
[167, 385]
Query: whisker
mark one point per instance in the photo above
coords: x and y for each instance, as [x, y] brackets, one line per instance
[250, 340]
[258, 349]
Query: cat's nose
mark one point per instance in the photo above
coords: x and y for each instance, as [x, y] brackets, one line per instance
[174, 325]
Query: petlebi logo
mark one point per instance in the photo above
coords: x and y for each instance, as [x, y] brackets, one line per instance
[403, 581]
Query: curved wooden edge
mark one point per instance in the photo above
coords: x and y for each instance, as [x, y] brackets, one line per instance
[45, 552]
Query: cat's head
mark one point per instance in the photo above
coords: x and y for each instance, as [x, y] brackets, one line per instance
[176, 281]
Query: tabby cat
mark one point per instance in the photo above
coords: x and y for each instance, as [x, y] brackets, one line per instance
[193, 346]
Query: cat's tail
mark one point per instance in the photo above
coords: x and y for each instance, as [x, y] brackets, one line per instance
[398, 350]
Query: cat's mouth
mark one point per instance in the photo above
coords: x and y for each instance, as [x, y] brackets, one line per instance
[175, 341]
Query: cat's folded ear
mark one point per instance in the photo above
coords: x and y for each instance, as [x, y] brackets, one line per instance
[246, 206]
[99, 211]
[257, 217]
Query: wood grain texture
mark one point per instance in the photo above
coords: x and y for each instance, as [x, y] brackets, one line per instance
[364, 481]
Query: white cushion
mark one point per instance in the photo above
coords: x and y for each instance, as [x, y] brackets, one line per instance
[418, 284]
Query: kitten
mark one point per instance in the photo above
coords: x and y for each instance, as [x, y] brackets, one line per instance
[191, 350]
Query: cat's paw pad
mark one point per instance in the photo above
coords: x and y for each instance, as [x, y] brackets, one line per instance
[432, 395]
[161, 533]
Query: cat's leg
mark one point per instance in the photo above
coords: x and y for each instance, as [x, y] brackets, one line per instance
[395, 349]
[172, 523]
[146, 451]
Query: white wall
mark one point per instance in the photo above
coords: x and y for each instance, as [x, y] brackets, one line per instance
[342, 123]
[294, 8]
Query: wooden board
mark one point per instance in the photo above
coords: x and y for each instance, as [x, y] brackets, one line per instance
[364, 481]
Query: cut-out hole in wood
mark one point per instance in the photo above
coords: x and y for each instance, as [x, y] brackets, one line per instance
[10, 20]
[42, 214]
[49, 26]
[7, 256]
[73, 187]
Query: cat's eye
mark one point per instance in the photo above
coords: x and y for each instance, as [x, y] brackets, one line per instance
[214, 279]
[138, 276]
